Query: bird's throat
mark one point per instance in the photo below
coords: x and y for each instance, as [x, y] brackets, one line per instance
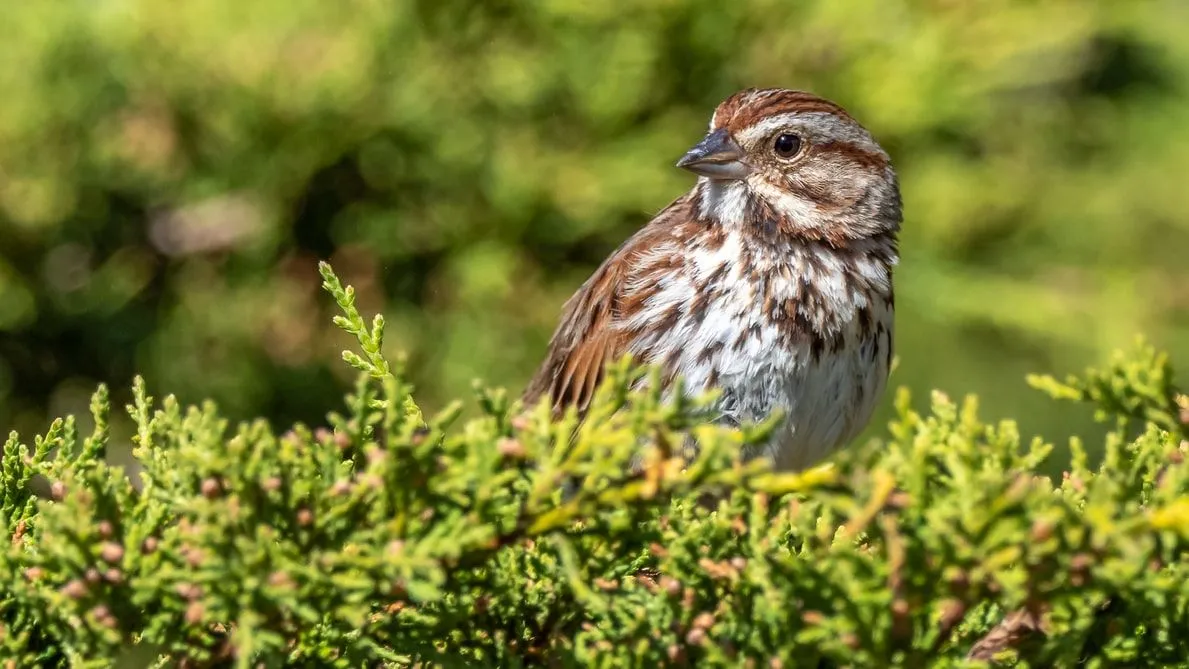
[724, 201]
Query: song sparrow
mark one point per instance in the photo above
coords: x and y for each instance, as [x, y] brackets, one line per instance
[771, 279]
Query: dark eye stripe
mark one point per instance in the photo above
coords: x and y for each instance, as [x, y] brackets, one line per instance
[855, 154]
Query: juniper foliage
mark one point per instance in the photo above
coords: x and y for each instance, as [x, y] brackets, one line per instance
[391, 538]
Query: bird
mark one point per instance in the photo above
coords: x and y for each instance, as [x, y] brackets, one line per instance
[770, 280]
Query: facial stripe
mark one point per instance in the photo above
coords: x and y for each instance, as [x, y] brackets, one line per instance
[861, 155]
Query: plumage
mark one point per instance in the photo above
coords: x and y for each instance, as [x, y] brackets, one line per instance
[771, 279]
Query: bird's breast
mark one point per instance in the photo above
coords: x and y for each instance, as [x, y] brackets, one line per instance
[798, 329]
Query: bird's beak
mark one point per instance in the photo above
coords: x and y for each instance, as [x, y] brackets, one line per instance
[717, 156]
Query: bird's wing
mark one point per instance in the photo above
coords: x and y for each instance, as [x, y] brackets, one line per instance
[588, 336]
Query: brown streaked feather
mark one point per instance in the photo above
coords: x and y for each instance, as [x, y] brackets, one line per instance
[589, 335]
[594, 341]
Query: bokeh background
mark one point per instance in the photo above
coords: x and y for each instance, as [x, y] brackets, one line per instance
[170, 172]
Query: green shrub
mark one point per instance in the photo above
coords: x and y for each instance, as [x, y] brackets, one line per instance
[170, 173]
[389, 537]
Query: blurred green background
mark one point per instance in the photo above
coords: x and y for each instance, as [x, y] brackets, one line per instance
[170, 172]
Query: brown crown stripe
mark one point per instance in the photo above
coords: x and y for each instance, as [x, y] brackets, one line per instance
[747, 107]
[729, 107]
[748, 116]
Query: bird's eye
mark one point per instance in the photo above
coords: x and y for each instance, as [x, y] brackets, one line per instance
[787, 145]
